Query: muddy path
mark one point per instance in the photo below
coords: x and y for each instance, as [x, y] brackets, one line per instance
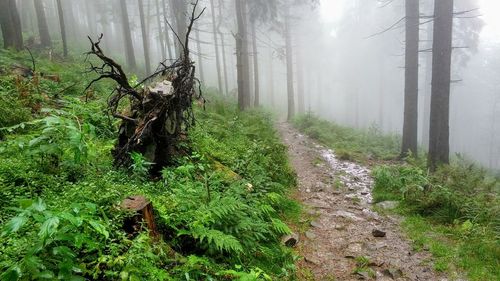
[347, 240]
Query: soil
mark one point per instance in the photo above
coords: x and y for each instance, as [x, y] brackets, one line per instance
[346, 239]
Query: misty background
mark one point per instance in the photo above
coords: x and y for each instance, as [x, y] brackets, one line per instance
[348, 58]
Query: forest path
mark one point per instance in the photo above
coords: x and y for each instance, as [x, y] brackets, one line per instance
[337, 195]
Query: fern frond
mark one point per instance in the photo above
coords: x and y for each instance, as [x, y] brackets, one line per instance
[280, 227]
[216, 239]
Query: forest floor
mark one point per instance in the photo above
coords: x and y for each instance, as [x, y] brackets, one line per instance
[346, 239]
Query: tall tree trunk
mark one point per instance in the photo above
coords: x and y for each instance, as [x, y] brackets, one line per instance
[63, 27]
[43, 29]
[167, 32]
[439, 147]
[200, 57]
[216, 43]
[255, 67]
[129, 47]
[242, 61]
[144, 38]
[300, 82]
[410, 124]
[271, 77]
[160, 30]
[223, 47]
[427, 92]
[289, 67]
[179, 9]
[11, 25]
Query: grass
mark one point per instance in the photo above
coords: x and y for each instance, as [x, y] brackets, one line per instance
[453, 213]
[221, 209]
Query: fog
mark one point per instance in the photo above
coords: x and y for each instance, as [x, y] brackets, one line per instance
[348, 57]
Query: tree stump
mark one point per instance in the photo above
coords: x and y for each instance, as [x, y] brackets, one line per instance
[143, 210]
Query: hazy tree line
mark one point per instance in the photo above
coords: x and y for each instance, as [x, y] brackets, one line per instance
[246, 48]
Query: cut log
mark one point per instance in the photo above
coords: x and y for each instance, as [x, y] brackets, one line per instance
[143, 210]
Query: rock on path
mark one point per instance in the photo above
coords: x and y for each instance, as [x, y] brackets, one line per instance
[344, 228]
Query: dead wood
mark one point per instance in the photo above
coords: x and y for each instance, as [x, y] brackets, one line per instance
[160, 106]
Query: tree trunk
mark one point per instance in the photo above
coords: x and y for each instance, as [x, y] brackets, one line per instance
[271, 78]
[200, 57]
[242, 57]
[289, 67]
[255, 67]
[11, 25]
[224, 64]
[300, 82]
[427, 92]
[160, 30]
[167, 32]
[129, 47]
[144, 39]
[43, 29]
[63, 28]
[410, 124]
[439, 147]
[216, 43]
[179, 7]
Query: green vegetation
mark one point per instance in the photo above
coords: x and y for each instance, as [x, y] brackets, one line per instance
[350, 144]
[220, 209]
[454, 213]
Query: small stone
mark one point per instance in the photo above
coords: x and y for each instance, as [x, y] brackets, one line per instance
[315, 224]
[364, 193]
[290, 240]
[378, 233]
[310, 235]
[394, 273]
[312, 260]
[308, 190]
[388, 205]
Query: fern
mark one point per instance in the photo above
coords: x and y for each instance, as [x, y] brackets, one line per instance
[280, 227]
[215, 239]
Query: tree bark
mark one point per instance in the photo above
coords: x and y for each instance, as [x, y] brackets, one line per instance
[427, 92]
[129, 47]
[255, 67]
[300, 82]
[216, 44]
[200, 57]
[242, 61]
[179, 7]
[439, 148]
[289, 67]
[271, 78]
[223, 47]
[63, 28]
[160, 31]
[167, 32]
[410, 124]
[43, 29]
[11, 25]
[145, 39]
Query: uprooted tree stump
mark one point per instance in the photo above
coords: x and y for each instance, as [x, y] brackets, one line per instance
[159, 111]
[143, 212]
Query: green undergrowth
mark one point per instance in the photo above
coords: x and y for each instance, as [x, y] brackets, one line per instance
[350, 144]
[221, 210]
[454, 213]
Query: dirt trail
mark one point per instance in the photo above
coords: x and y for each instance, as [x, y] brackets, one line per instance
[338, 196]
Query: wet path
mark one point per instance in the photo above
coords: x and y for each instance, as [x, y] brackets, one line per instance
[347, 240]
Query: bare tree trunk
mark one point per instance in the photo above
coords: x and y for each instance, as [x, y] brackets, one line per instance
[179, 9]
[255, 67]
[242, 61]
[144, 38]
[439, 147]
[300, 82]
[11, 25]
[223, 46]
[160, 31]
[43, 29]
[427, 92]
[129, 47]
[167, 31]
[271, 77]
[289, 67]
[216, 43]
[200, 57]
[410, 126]
[63, 28]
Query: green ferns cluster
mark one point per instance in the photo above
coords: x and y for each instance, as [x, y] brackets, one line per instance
[220, 210]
